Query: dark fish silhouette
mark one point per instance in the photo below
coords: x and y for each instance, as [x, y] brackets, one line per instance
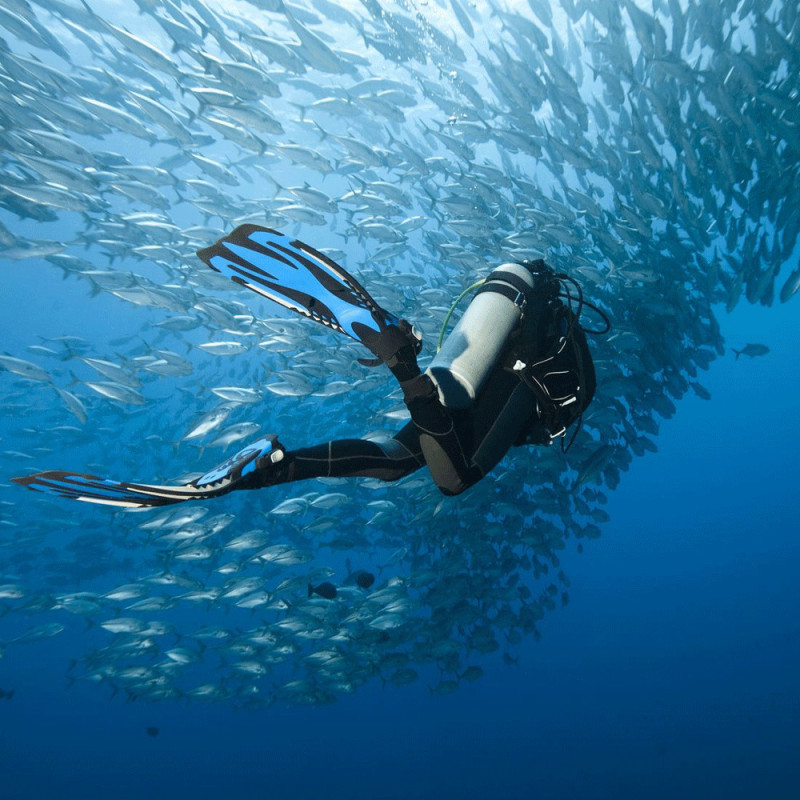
[151, 730]
[326, 590]
[360, 577]
[471, 673]
[751, 350]
[6, 694]
[365, 579]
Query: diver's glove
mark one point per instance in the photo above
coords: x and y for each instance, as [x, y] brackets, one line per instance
[396, 346]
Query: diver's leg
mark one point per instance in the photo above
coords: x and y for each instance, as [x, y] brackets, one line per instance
[265, 462]
[461, 447]
[443, 436]
[395, 345]
[389, 459]
[385, 459]
[441, 433]
[445, 450]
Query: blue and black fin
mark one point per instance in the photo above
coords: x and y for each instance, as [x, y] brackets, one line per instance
[302, 279]
[92, 489]
[240, 471]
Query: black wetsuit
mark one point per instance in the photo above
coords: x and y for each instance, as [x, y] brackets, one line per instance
[459, 446]
[471, 441]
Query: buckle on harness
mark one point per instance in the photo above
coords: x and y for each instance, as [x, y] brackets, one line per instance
[520, 301]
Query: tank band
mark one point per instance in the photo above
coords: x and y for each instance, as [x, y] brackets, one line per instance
[516, 292]
[509, 277]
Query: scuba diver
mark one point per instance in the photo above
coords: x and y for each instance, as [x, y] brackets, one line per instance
[516, 370]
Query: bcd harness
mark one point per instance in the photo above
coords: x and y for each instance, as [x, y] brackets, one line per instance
[548, 351]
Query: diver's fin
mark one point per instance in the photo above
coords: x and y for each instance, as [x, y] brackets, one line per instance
[233, 473]
[78, 486]
[300, 278]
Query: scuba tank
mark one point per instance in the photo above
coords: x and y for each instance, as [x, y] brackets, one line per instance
[471, 351]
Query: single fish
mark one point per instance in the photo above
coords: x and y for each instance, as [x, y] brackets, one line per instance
[751, 350]
[364, 579]
[223, 348]
[325, 589]
[116, 391]
[209, 422]
[24, 369]
[234, 434]
[237, 394]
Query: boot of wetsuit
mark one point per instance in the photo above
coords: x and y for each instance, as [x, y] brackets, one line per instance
[260, 463]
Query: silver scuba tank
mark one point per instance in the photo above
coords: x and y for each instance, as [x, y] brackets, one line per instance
[471, 350]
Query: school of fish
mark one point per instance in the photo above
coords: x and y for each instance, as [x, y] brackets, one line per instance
[648, 149]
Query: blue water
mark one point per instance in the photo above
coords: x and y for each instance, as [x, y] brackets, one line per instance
[672, 669]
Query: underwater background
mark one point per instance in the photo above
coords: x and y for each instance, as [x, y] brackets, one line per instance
[620, 620]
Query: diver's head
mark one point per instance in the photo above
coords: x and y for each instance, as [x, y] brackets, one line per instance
[545, 281]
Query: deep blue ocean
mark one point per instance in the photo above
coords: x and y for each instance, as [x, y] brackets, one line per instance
[672, 671]
[669, 665]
